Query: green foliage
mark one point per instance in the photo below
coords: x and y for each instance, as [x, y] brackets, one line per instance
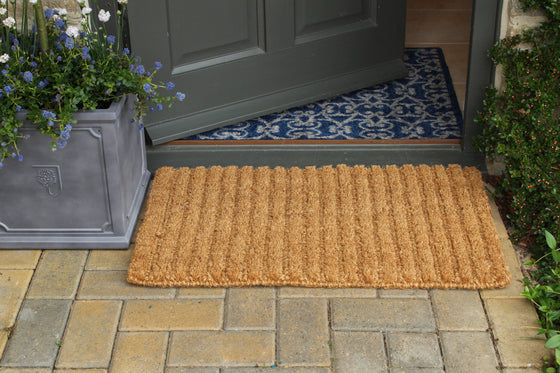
[521, 123]
[73, 68]
[545, 294]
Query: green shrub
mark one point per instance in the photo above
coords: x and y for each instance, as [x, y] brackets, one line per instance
[520, 123]
[544, 292]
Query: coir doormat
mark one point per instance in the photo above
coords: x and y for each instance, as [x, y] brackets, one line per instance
[407, 227]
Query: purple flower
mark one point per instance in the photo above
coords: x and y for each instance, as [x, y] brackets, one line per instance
[147, 88]
[170, 86]
[110, 39]
[180, 96]
[28, 77]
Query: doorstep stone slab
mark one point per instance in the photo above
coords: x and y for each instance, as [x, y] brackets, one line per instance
[303, 332]
[172, 314]
[459, 310]
[221, 348]
[139, 352]
[468, 352]
[113, 285]
[57, 275]
[13, 285]
[89, 335]
[192, 370]
[251, 309]
[38, 330]
[359, 352]
[19, 259]
[30, 370]
[80, 371]
[514, 322]
[403, 293]
[383, 315]
[413, 350]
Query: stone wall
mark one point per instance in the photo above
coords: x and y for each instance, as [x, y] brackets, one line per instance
[74, 15]
[515, 20]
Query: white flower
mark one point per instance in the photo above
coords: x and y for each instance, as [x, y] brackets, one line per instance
[33, 2]
[81, 2]
[3, 11]
[72, 31]
[122, 1]
[4, 58]
[9, 22]
[86, 11]
[61, 11]
[3, 2]
[104, 15]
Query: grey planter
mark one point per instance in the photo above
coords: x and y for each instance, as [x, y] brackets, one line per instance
[85, 196]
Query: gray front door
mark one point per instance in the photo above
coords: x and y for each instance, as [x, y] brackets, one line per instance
[237, 59]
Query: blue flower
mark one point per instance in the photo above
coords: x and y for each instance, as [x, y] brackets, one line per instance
[4, 72]
[8, 89]
[15, 42]
[159, 107]
[170, 85]
[20, 60]
[180, 96]
[3, 144]
[131, 67]
[28, 77]
[126, 51]
[147, 88]
[49, 13]
[65, 135]
[85, 53]
[1, 164]
[158, 65]
[110, 39]
[18, 108]
[33, 64]
[69, 43]
[42, 83]
[60, 24]
[140, 70]
[50, 123]
[61, 143]
[20, 157]
[48, 114]
[68, 127]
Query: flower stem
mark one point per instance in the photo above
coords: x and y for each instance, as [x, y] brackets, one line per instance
[41, 25]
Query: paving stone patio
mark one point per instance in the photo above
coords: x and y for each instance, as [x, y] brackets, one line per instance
[72, 311]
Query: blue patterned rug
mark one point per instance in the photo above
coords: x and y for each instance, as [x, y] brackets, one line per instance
[420, 106]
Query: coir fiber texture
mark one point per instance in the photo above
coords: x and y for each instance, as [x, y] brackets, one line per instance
[393, 227]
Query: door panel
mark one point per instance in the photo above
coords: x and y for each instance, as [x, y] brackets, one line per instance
[315, 19]
[237, 59]
[196, 43]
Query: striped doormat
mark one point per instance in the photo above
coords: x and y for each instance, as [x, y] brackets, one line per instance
[393, 227]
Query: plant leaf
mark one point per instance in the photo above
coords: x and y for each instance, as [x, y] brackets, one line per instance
[550, 240]
[553, 342]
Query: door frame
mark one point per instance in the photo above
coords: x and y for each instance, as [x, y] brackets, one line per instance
[486, 18]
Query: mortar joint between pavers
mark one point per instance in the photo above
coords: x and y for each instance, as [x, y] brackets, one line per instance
[436, 323]
[490, 330]
[387, 354]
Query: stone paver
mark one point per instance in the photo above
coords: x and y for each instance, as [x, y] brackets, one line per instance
[192, 370]
[294, 292]
[57, 275]
[514, 322]
[403, 293]
[413, 350]
[30, 370]
[80, 371]
[19, 259]
[113, 285]
[276, 370]
[227, 348]
[359, 352]
[13, 285]
[175, 314]
[201, 293]
[303, 334]
[383, 314]
[91, 329]
[38, 331]
[468, 352]
[116, 260]
[139, 352]
[251, 308]
[459, 310]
